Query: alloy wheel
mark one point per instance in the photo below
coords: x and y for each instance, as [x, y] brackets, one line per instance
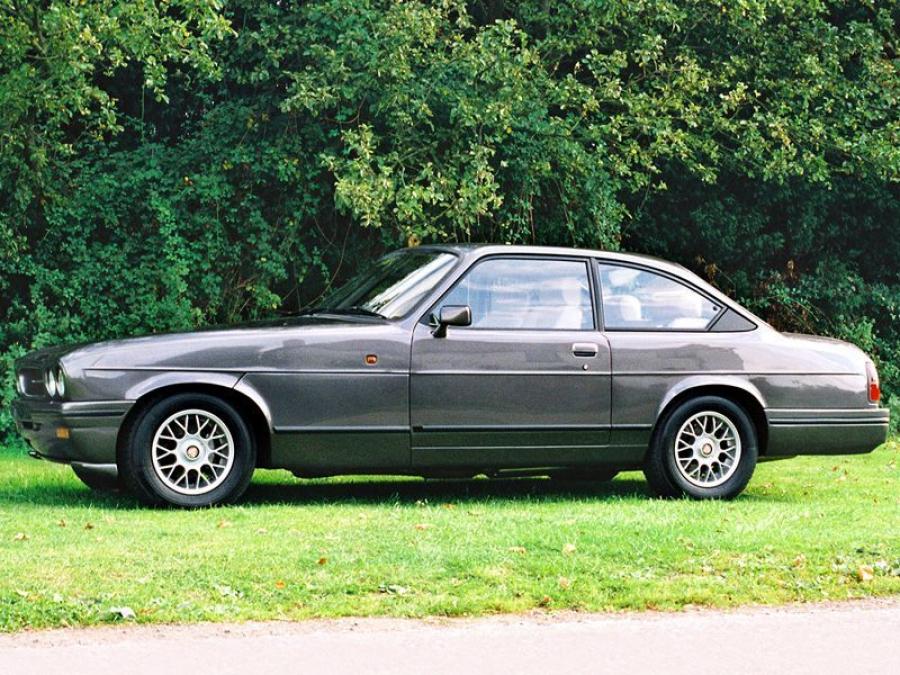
[193, 452]
[707, 449]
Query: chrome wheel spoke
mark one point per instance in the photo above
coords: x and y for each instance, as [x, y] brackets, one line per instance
[707, 449]
[193, 452]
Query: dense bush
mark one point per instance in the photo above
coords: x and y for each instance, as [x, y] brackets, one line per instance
[166, 165]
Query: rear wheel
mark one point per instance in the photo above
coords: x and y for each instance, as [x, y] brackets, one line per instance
[189, 450]
[706, 448]
[100, 477]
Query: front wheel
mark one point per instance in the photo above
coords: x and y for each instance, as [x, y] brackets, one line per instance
[706, 448]
[189, 450]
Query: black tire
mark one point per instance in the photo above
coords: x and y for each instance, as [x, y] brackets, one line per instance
[589, 474]
[100, 477]
[136, 463]
[660, 468]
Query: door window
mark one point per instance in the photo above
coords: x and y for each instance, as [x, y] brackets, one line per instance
[541, 294]
[635, 299]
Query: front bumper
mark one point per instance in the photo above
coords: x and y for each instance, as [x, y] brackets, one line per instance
[825, 431]
[93, 428]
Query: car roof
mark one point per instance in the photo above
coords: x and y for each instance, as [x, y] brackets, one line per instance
[481, 250]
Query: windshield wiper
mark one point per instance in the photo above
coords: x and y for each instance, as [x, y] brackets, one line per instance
[365, 311]
[354, 309]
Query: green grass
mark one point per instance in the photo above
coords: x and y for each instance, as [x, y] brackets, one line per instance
[807, 529]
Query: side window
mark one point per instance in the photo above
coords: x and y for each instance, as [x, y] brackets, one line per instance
[521, 293]
[636, 299]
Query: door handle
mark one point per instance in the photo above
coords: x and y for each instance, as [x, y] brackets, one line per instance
[584, 349]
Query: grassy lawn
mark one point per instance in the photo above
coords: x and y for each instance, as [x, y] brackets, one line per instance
[806, 529]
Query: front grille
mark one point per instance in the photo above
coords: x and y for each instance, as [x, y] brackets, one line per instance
[31, 383]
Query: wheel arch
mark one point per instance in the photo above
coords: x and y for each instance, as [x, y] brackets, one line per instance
[251, 410]
[740, 392]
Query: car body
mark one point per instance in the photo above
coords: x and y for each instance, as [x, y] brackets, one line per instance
[494, 359]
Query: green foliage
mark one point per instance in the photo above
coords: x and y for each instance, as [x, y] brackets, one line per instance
[169, 164]
[58, 63]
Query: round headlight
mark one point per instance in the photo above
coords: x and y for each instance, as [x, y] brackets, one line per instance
[50, 382]
[60, 382]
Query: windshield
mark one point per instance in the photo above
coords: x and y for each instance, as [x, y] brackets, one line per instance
[392, 287]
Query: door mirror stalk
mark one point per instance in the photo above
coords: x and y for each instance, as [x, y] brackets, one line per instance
[451, 315]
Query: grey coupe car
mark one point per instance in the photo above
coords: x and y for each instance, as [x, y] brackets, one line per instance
[457, 361]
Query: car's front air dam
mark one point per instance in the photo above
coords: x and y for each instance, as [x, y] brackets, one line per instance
[71, 431]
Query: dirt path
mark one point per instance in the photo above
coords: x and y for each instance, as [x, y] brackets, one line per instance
[855, 637]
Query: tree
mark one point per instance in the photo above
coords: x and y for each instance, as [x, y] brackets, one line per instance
[166, 165]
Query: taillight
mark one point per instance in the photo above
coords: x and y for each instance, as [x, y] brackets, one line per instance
[874, 386]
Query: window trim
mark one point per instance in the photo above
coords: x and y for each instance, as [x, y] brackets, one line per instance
[592, 279]
[723, 307]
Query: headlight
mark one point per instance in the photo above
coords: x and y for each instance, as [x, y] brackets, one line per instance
[60, 382]
[50, 382]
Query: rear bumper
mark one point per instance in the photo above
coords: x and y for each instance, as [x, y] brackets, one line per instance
[93, 428]
[826, 431]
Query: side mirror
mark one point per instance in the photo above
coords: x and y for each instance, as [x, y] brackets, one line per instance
[452, 315]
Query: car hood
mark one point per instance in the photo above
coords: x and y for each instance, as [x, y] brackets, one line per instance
[310, 341]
